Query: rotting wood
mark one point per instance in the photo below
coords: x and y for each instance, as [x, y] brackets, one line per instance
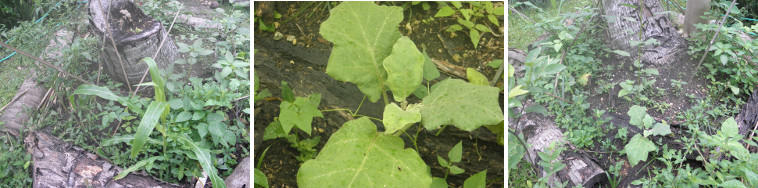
[59, 164]
[539, 131]
[450, 69]
[656, 26]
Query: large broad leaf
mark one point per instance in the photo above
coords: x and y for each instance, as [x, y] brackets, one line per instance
[300, 113]
[358, 156]
[638, 148]
[475, 77]
[154, 112]
[405, 68]
[658, 129]
[464, 105]
[478, 180]
[396, 118]
[203, 157]
[430, 70]
[363, 34]
[636, 114]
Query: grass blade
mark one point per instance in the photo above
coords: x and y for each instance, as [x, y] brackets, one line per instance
[135, 167]
[146, 125]
[204, 157]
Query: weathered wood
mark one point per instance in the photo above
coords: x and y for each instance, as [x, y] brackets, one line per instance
[539, 131]
[624, 26]
[59, 164]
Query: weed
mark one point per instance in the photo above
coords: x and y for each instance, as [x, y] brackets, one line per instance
[472, 16]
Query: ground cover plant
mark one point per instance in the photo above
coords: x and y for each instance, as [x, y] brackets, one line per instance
[187, 126]
[372, 151]
[644, 125]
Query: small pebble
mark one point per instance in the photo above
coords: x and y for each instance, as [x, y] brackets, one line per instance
[278, 36]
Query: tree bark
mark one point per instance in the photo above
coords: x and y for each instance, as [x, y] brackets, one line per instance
[539, 131]
[624, 27]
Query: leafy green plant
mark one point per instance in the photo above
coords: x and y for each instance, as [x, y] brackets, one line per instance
[471, 17]
[375, 57]
[550, 164]
[296, 113]
[14, 162]
[454, 155]
[640, 145]
[155, 117]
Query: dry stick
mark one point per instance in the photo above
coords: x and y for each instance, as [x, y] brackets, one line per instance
[44, 62]
[752, 133]
[99, 63]
[718, 31]
[13, 100]
[110, 35]
[159, 48]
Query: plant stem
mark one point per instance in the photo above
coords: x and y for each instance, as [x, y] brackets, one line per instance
[359, 106]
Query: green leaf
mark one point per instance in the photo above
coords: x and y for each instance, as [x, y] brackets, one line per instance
[474, 77]
[466, 23]
[738, 151]
[300, 113]
[430, 70]
[203, 157]
[260, 178]
[202, 129]
[405, 68]
[198, 115]
[456, 152]
[287, 94]
[438, 183]
[496, 64]
[464, 105]
[729, 127]
[363, 34]
[125, 139]
[493, 20]
[456, 170]
[273, 130]
[466, 13]
[482, 28]
[732, 184]
[622, 53]
[160, 83]
[226, 71]
[636, 114]
[647, 121]
[136, 166]
[553, 69]
[474, 35]
[537, 108]
[658, 129]
[154, 111]
[183, 116]
[478, 180]
[586, 78]
[445, 12]
[396, 118]
[358, 156]
[516, 91]
[442, 161]
[638, 148]
[102, 92]
[515, 151]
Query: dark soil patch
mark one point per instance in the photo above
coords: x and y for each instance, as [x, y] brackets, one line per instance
[302, 63]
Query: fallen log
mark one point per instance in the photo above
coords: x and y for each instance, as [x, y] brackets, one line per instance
[60, 164]
[539, 131]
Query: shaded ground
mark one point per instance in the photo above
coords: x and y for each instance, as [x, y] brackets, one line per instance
[303, 66]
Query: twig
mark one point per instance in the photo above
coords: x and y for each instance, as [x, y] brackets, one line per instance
[559, 98]
[13, 100]
[44, 62]
[751, 134]
[159, 47]
[118, 54]
[497, 75]
[718, 31]
[237, 99]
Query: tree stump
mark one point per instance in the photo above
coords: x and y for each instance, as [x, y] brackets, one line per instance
[136, 36]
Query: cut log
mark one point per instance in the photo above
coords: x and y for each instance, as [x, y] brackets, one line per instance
[624, 26]
[20, 109]
[241, 176]
[59, 164]
[539, 131]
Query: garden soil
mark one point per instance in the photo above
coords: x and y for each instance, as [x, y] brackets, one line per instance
[301, 62]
